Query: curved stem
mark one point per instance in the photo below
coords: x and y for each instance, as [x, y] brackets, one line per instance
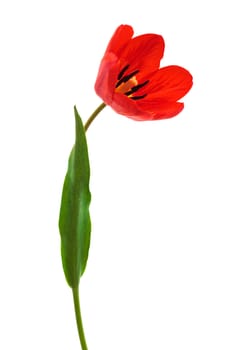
[79, 318]
[94, 115]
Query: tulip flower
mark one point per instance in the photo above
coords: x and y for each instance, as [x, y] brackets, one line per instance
[131, 81]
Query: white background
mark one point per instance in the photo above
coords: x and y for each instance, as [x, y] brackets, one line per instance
[160, 271]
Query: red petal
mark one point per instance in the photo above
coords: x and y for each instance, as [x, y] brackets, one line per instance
[146, 111]
[170, 83]
[144, 52]
[127, 107]
[120, 38]
[107, 77]
[168, 110]
[161, 109]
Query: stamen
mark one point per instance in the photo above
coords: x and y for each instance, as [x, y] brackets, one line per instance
[120, 75]
[136, 88]
[138, 97]
[139, 86]
[126, 78]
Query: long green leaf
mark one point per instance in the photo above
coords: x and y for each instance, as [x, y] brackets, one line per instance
[74, 221]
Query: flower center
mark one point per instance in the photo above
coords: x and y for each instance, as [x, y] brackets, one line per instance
[127, 84]
[124, 87]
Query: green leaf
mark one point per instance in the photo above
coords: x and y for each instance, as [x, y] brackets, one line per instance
[74, 221]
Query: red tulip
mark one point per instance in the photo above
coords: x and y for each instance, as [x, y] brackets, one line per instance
[131, 82]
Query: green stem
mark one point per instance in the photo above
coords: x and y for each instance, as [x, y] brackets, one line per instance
[75, 290]
[79, 319]
[94, 115]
